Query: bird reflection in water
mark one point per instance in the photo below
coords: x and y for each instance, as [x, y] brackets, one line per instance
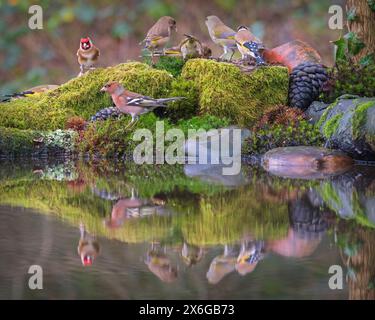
[250, 254]
[133, 207]
[88, 247]
[160, 264]
[191, 254]
[222, 264]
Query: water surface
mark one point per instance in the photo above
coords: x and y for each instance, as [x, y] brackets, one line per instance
[111, 231]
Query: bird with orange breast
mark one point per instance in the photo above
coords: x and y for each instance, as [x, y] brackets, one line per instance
[88, 247]
[249, 45]
[133, 103]
[159, 34]
[88, 55]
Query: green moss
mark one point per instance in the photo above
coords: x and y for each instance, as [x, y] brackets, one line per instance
[275, 136]
[330, 127]
[114, 137]
[347, 78]
[81, 96]
[171, 64]
[185, 108]
[359, 118]
[16, 142]
[241, 97]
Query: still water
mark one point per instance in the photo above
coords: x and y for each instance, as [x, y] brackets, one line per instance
[114, 231]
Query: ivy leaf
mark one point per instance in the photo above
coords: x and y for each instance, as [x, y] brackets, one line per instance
[355, 45]
[367, 60]
[340, 49]
[352, 14]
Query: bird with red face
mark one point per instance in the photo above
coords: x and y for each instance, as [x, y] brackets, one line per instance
[133, 103]
[88, 55]
[88, 247]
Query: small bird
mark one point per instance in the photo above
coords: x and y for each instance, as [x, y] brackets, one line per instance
[222, 265]
[221, 35]
[28, 92]
[88, 55]
[159, 34]
[249, 45]
[133, 103]
[191, 47]
[161, 265]
[251, 253]
[88, 247]
[191, 254]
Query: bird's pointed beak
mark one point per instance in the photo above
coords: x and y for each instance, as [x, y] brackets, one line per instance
[104, 89]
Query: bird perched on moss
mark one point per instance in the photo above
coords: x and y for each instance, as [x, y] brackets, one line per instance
[248, 44]
[190, 47]
[133, 103]
[28, 92]
[221, 35]
[159, 34]
[88, 55]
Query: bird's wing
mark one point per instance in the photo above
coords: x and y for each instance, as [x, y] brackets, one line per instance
[224, 32]
[158, 30]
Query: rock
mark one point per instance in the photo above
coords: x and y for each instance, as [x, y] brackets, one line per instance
[315, 111]
[226, 91]
[292, 53]
[351, 195]
[305, 162]
[212, 171]
[348, 124]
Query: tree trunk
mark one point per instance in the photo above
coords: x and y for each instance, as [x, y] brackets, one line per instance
[363, 26]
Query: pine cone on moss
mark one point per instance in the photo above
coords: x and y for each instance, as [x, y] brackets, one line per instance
[279, 115]
[306, 83]
[104, 114]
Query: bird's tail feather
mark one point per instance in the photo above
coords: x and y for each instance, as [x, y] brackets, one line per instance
[165, 100]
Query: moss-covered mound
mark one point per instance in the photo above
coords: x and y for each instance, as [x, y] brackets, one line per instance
[81, 96]
[224, 90]
[26, 143]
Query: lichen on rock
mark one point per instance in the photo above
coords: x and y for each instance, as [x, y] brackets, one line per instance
[224, 90]
[348, 124]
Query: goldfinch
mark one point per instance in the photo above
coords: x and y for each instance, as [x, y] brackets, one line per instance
[133, 103]
[159, 34]
[221, 35]
[248, 44]
[88, 55]
[88, 247]
[28, 92]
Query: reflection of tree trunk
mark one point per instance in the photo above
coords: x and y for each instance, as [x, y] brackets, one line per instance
[363, 26]
[364, 265]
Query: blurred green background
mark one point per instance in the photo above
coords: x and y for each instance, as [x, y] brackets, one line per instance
[32, 57]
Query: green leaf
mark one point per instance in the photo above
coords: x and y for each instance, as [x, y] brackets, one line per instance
[355, 45]
[367, 60]
[340, 49]
[352, 14]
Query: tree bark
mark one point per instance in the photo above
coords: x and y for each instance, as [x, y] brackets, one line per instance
[363, 26]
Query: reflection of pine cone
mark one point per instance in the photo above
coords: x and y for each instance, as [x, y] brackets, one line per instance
[306, 83]
[111, 112]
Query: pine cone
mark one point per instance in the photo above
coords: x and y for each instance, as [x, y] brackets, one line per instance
[306, 83]
[104, 114]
